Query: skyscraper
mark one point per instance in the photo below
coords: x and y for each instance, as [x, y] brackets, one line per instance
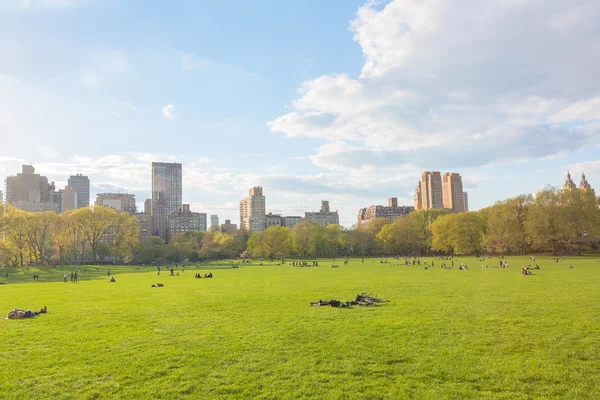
[214, 222]
[166, 194]
[569, 184]
[466, 200]
[253, 211]
[428, 193]
[69, 199]
[30, 191]
[148, 206]
[80, 184]
[584, 184]
[454, 198]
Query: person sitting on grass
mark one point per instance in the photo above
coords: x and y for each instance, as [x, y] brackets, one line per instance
[571, 266]
[112, 279]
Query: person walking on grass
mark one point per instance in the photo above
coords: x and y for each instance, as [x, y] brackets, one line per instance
[157, 271]
[75, 277]
[65, 277]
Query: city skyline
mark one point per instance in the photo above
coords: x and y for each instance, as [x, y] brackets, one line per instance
[280, 109]
[129, 203]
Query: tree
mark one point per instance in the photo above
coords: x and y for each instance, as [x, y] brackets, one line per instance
[275, 242]
[361, 241]
[16, 232]
[93, 224]
[301, 238]
[124, 232]
[150, 250]
[422, 220]
[460, 234]
[506, 231]
[581, 215]
[400, 237]
[62, 236]
[546, 225]
[39, 232]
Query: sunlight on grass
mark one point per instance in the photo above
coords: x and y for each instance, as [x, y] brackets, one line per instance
[251, 333]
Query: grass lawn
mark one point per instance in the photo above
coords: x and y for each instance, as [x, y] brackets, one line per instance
[251, 333]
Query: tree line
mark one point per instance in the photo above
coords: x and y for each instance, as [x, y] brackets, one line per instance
[83, 235]
[554, 221]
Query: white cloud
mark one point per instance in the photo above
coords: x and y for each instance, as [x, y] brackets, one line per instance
[169, 111]
[452, 87]
[584, 110]
[589, 167]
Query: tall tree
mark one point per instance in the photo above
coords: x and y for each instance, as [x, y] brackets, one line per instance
[581, 216]
[16, 232]
[124, 232]
[546, 224]
[40, 230]
[93, 225]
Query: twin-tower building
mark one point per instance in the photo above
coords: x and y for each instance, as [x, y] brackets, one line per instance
[435, 190]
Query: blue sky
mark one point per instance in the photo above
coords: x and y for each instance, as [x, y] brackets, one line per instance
[344, 100]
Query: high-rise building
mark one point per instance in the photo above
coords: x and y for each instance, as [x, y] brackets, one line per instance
[80, 184]
[214, 222]
[391, 211]
[569, 184]
[122, 202]
[1, 197]
[166, 194]
[454, 198]
[184, 221]
[583, 184]
[148, 206]
[69, 199]
[466, 200]
[57, 199]
[428, 193]
[253, 211]
[30, 191]
[228, 227]
[203, 222]
[323, 217]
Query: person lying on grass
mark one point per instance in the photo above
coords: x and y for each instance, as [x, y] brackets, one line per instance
[22, 314]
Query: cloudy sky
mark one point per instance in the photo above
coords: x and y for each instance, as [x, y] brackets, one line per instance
[345, 100]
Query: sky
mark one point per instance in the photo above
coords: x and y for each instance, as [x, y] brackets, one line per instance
[340, 100]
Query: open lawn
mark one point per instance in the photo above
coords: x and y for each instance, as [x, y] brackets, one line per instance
[251, 333]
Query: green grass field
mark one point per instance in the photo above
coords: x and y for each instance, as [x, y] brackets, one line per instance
[251, 333]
